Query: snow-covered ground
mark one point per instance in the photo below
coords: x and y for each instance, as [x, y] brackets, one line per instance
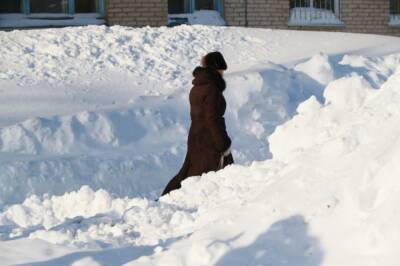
[93, 124]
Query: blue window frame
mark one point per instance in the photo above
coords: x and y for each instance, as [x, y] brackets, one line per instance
[189, 6]
[52, 6]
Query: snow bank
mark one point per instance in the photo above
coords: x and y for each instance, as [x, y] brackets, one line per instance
[122, 127]
[330, 204]
[319, 68]
[343, 95]
[65, 55]
[328, 118]
[87, 131]
[135, 149]
[330, 201]
[86, 218]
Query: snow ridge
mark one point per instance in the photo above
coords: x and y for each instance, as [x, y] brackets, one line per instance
[53, 56]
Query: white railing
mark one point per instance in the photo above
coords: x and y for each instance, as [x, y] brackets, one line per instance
[314, 12]
[394, 13]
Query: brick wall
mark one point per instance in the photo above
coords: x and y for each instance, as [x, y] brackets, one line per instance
[234, 12]
[367, 16]
[361, 16]
[260, 13]
[137, 13]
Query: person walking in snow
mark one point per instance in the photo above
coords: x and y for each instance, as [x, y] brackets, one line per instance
[208, 145]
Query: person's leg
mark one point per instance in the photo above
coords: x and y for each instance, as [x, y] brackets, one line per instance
[228, 160]
[175, 182]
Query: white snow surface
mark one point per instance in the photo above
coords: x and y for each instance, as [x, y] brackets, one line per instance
[94, 121]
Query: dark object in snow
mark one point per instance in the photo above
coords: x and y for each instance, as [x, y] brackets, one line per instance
[208, 139]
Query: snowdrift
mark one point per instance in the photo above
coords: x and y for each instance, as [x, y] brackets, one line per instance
[120, 122]
[326, 197]
[316, 135]
[122, 127]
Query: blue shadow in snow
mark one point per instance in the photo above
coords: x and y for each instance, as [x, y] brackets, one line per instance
[286, 242]
[118, 256]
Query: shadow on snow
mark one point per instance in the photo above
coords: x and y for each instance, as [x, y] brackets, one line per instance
[287, 242]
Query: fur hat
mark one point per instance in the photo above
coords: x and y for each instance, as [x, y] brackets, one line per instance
[215, 60]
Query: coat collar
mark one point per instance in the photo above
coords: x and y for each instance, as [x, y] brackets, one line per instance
[205, 75]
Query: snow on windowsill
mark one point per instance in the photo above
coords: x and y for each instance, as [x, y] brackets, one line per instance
[202, 17]
[49, 20]
[320, 23]
[313, 17]
[394, 20]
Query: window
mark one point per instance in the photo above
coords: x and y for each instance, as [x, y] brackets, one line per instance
[207, 12]
[42, 13]
[10, 6]
[51, 6]
[205, 5]
[48, 6]
[394, 13]
[176, 6]
[86, 6]
[190, 6]
[314, 12]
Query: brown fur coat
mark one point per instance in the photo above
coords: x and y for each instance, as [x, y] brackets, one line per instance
[208, 139]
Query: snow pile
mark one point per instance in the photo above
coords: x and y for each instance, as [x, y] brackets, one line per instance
[258, 101]
[91, 219]
[87, 131]
[123, 150]
[344, 95]
[337, 184]
[206, 17]
[82, 149]
[135, 149]
[330, 203]
[319, 68]
[66, 55]
[122, 127]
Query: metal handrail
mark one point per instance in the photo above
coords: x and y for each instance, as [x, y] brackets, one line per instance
[314, 11]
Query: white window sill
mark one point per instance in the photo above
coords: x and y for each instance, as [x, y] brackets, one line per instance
[317, 23]
[49, 20]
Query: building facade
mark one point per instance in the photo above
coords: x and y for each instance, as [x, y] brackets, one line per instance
[360, 16]
[363, 16]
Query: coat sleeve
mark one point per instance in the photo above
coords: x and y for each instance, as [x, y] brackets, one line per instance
[213, 119]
